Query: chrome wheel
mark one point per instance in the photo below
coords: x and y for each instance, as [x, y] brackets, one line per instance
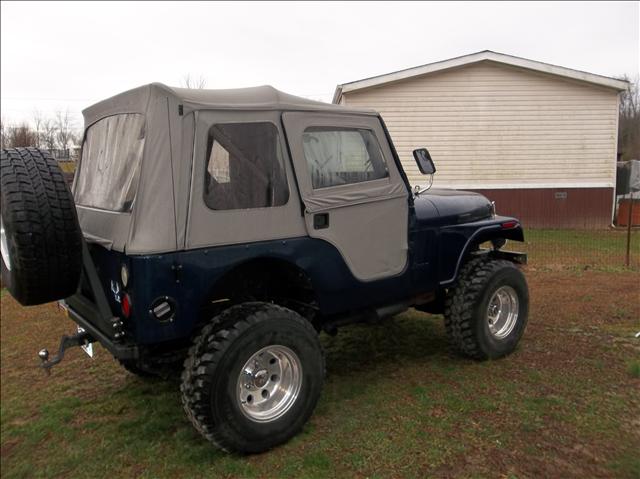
[4, 246]
[269, 383]
[502, 312]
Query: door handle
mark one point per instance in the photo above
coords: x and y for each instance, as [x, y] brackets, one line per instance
[320, 221]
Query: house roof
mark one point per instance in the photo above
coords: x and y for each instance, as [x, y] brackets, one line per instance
[486, 55]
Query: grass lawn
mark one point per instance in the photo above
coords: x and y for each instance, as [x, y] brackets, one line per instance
[395, 402]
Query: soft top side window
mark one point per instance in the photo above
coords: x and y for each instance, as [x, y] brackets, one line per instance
[245, 167]
[339, 156]
[110, 163]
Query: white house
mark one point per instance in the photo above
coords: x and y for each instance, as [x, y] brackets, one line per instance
[538, 139]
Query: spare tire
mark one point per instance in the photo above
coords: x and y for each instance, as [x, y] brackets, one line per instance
[41, 240]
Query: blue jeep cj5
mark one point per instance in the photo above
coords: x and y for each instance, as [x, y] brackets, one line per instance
[220, 231]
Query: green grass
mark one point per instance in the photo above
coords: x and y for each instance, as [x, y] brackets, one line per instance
[67, 166]
[395, 404]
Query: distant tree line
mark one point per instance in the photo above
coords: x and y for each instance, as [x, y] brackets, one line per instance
[58, 132]
[629, 121]
[194, 83]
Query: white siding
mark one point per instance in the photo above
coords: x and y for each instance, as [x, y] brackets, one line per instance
[493, 126]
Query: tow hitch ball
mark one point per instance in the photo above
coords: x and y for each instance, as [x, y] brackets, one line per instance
[77, 339]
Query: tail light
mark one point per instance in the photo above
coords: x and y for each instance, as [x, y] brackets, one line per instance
[126, 305]
[508, 225]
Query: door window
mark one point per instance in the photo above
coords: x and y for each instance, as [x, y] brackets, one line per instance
[341, 156]
[245, 167]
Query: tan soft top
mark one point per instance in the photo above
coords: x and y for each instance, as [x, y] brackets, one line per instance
[157, 220]
[254, 98]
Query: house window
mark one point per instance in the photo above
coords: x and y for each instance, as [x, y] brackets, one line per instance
[245, 167]
[341, 156]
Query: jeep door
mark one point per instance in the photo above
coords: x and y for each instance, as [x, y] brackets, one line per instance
[243, 189]
[352, 191]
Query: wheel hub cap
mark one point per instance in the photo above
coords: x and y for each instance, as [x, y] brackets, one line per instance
[269, 383]
[260, 378]
[4, 245]
[502, 312]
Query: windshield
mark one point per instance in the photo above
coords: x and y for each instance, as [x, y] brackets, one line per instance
[110, 163]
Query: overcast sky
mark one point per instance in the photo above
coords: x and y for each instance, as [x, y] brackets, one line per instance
[59, 55]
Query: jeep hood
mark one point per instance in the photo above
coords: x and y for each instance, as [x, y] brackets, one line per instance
[452, 206]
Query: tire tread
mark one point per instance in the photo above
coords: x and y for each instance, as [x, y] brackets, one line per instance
[462, 300]
[47, 236]
[206, 353]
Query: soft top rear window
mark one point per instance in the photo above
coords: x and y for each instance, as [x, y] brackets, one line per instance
[110, 163]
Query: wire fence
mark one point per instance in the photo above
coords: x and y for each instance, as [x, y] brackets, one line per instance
[558, 249]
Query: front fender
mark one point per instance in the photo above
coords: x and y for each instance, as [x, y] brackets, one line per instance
[458, 241]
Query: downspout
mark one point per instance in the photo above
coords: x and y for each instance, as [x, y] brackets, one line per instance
[615, 161]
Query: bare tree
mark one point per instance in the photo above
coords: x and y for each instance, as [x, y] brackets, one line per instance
[191, 82]
[48, 134]
[20, 135]
[64, 129]
[3, 133]
[629, 121]
[37, 123]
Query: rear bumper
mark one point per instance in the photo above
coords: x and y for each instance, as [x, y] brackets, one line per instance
[87, 320]
[94, 315]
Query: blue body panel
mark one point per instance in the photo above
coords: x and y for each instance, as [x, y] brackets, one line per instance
[435, 252]
[337, 290]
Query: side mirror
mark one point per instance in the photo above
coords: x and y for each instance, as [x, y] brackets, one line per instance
[424, 161]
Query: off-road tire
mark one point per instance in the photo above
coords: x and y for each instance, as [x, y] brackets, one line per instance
[212, 369]
[466, 308]
[43, 237]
